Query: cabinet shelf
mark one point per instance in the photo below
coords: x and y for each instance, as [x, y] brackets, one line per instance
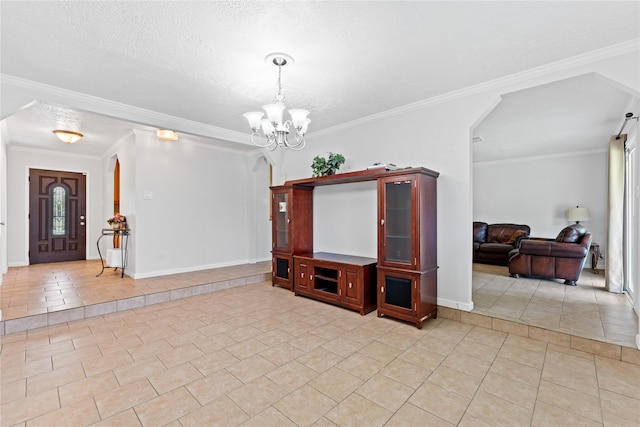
[328, 289]
[328, 279]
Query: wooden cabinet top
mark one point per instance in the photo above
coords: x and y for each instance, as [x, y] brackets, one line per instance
[357, 176]
[342, 259]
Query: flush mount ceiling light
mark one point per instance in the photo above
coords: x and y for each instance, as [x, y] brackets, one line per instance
[275, 132]
[68, 136]
[167, 135]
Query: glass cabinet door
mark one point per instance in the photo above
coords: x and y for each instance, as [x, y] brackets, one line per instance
[397, 222]
[281, 220]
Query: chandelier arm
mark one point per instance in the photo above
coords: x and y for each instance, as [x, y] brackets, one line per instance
[256, 139]
[297, 147]
[299, 142]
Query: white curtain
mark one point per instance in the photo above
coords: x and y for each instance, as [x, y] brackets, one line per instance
[614, 267]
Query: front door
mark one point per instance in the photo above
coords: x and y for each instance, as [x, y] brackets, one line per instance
[57, 216]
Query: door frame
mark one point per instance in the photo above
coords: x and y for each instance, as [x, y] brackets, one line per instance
[89, 220]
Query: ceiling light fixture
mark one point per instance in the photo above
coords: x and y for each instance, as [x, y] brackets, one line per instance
[275, 132]
[68, 136]
[167, 135]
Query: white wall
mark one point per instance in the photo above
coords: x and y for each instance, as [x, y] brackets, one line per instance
[259, 237]
[345, 219]
[198, 216]
[537, 191]
[20, 160]
[3, 204]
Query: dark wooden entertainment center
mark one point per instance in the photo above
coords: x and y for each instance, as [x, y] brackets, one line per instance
[402, 281]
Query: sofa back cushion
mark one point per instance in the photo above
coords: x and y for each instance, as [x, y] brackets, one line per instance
[571, 234]
[479, 232]
[503, 233]
[515, 236]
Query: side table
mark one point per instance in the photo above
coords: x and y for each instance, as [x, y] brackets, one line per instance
[124, 232]
[594, 250]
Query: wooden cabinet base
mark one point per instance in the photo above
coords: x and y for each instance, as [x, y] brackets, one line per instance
[409, 317]
[281, 270]
[407, 295]
[342, 280]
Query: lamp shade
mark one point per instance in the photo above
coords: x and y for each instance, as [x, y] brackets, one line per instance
[254, 119]
[267, 127]
[298, 117]
[274, 112]
[578, 214]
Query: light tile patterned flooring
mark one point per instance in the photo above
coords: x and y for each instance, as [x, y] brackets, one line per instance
[586, 310]
[256, 355]
[46, 294]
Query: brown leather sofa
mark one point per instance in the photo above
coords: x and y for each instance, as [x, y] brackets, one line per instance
[561, 258]
[493, 242]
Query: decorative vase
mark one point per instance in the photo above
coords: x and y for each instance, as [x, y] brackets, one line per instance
[116, 226]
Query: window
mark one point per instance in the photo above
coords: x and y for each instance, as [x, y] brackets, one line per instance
[59, 211]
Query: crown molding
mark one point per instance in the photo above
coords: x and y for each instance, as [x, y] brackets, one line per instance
[564, 64]
[126, 112]
[52, 152]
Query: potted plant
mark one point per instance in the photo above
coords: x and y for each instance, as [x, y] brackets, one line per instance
[118, 221]
[326, 166]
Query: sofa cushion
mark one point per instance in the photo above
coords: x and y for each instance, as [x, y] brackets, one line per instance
[571, 234]
[501, 233]
[480, 232]
[515, 236]
[499, 248]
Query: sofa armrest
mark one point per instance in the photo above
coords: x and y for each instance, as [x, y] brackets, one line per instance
[551, 248]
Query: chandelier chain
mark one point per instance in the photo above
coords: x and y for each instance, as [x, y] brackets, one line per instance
[280, 97]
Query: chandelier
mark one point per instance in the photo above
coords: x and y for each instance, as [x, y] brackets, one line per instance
[275, 132]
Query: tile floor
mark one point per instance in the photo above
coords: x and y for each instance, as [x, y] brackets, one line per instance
[256, 355]
[586, 310]
[46, 294]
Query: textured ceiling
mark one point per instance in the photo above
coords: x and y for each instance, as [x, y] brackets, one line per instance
[203, 61]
